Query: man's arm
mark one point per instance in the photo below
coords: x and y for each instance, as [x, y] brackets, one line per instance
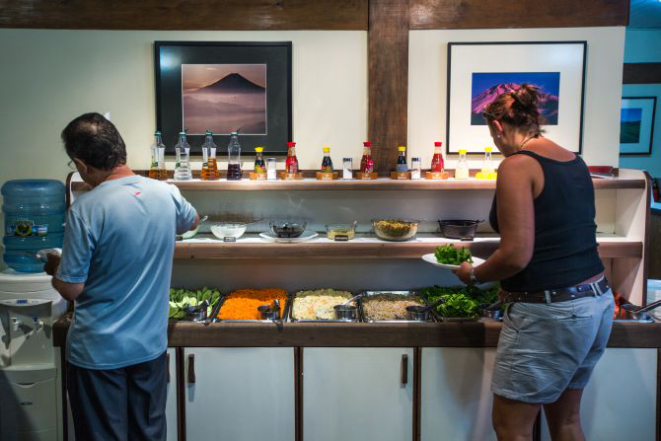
[69, 291]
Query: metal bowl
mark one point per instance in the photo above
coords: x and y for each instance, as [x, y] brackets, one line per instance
[345, 312]
[269, 313]
[458, 229]
[287, 228]
[418, 313]
[395, 230]
[196, 313]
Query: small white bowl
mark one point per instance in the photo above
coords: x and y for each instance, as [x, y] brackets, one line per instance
[228, 231]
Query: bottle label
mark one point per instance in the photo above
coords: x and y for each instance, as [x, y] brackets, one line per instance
[26, 228]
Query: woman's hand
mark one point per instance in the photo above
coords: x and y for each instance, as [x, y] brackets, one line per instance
[463, 272]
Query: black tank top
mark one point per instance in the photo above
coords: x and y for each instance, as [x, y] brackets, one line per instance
[565, 251]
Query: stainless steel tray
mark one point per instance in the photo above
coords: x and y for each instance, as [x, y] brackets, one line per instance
[411, 293]
[293, 319]
[223, 297]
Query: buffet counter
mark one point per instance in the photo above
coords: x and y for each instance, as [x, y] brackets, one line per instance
[483, 333]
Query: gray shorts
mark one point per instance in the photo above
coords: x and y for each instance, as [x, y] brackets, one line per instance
[547, 348]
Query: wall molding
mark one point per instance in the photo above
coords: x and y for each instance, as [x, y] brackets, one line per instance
[641, 73]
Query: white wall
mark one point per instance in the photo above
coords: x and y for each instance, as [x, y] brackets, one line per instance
[428, 84]
[48, 77]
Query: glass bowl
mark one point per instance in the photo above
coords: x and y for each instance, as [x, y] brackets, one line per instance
[287, 228]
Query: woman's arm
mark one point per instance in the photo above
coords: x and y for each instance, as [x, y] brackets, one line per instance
[516, 221]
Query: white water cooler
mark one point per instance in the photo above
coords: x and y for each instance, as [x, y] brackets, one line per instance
[30, 381]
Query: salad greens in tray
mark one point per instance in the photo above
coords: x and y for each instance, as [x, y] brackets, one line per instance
[181, 298]
[460, 301]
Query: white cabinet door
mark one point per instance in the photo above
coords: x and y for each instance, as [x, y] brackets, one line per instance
[357, 394]
[456, 397]
[240, 394]
[171, 404]
[619, 402]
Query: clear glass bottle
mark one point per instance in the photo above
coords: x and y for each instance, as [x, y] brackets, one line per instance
[234, 172]
[291, 166]
[347, 168]
[462, 172]
[260, 166]
[366, 162]
[401, 161]
[416, 168]
[182, 171]
[209, 162]
[437, 162]
[271, 169]
[157, 168]
[327, 162]
[487, 165]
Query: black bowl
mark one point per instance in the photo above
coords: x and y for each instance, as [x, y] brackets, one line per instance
[287, 229]
[458, 229]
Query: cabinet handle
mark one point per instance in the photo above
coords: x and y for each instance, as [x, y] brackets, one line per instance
[191, 368]
[405, 369]
[167, 362]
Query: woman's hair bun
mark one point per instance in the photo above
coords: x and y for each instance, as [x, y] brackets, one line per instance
[525, 97]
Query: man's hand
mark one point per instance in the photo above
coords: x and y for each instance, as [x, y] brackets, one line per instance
[52, 264]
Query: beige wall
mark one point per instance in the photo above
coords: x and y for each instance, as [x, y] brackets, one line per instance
[49, 77]
[428, 84]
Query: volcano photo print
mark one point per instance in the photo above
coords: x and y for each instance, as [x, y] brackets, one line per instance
[224, 87]
[479, 72]
[224, 98]
[487, 87]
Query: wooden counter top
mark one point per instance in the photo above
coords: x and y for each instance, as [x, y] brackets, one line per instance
[468, 334]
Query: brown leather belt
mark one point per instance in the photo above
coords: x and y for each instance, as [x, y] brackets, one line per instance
[559, 295]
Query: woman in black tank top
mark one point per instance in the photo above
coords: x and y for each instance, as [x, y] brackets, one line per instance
[559, 312]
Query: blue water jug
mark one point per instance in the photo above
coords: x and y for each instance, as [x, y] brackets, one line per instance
[34, 220]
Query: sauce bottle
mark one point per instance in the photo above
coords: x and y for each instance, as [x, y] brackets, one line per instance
[487, 165]
[327, 163]
[461, 172]
[157, 168]
[234, 172]
[182, 171]
[401, 160]
[291, 165]
[367, 163]
[260, 166]
[209, 163]
[437, 162]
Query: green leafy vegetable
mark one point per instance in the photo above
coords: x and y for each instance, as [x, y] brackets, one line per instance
[449, 254]
[459, 301]
[181, 298]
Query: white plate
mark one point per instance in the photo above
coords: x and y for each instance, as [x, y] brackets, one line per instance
[431, 258]
[307, 235]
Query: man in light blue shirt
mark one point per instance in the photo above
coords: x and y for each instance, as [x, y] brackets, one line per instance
[116, 266]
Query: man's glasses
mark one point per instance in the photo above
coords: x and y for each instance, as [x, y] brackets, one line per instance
[71, 165]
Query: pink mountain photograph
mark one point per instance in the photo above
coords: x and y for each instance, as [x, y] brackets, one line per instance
[223, 98]
[486, 87]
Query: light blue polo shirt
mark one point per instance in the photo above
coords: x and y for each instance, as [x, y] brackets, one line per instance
[119, 241]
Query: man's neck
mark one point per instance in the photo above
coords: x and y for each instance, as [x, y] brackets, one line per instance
[119, 172]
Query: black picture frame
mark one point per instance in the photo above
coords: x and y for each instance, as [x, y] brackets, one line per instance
[489, 47]
[625, 149]
[169, 56]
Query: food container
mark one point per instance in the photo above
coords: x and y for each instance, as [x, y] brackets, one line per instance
[319, 306]
[229, 231]
[245, 305]
[345, 313]
[196, 313]
[629, 311]
[458, 229]
[341, 232]
[395, 230]
[287, 228]
[391, 306]
[191, 233]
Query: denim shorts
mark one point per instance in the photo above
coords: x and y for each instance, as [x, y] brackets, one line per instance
[545, 349]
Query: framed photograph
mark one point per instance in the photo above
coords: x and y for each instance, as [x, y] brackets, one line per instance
[637, 125]
[223, 87]
[479, 72]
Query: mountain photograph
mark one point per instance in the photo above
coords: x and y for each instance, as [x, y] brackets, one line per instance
[224, 98]
[486, 87]
[630, 125]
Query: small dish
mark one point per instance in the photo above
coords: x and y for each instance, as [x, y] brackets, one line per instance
[228, 231]
[431, 258]
[395, 230]
[341, 232]
[287, 228]
[270, 237]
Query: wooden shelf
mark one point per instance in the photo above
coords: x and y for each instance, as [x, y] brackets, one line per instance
[253, 247]
[378, 184]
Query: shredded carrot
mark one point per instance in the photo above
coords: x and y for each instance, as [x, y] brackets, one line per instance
[242, 304]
